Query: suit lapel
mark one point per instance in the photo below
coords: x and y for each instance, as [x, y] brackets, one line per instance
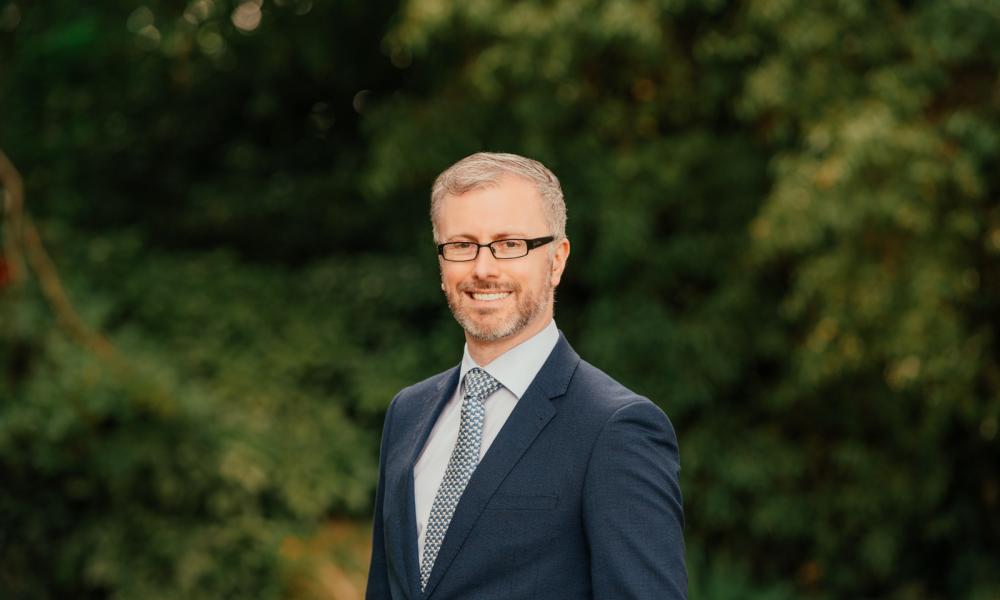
[421, 430]
[531, 414]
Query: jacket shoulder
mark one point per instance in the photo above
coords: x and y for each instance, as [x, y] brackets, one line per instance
[418, 393]
[595, 391]
[429, 385]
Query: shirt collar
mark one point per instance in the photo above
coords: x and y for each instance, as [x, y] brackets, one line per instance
[516, 368]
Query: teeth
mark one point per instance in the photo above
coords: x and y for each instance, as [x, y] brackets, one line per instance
[491, 296]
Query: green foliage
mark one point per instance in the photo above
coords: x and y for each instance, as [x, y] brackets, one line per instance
[784, 232]
[235, 428]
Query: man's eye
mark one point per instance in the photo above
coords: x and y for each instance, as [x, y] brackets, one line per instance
[462, 245]
[511, 244]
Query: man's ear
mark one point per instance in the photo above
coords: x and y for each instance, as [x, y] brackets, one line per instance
[559, 259]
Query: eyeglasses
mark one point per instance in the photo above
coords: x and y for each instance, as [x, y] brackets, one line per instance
[501, 249]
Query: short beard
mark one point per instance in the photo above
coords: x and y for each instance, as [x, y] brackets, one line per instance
[528, 308]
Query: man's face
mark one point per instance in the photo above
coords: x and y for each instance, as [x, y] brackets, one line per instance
[494, 299]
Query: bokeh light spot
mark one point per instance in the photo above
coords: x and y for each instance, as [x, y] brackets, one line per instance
[210, 42]
[198, 11]
[140, 19]
[247, 16]
[304, 7]
[359, 100]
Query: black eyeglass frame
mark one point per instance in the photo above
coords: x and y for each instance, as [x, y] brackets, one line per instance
[531, 245]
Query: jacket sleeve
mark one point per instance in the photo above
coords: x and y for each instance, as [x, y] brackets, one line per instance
[378, 572]
[633, 512]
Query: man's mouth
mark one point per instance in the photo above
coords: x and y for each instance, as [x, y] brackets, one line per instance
[488, 296]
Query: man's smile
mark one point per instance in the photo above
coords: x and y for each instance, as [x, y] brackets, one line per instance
[488, 296]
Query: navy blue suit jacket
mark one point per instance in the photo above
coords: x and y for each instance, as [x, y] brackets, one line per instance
[576, 498]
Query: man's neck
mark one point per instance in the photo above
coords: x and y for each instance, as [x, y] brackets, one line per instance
[485, 352]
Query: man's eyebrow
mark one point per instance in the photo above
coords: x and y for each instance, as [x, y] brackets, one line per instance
[461, 237]
[465, 237]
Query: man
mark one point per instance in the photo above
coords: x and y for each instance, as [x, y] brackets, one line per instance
[524, 472]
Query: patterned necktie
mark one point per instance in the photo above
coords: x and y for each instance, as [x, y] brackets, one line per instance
[464, 459]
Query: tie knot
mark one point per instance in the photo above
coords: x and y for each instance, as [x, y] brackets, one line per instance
[479, 384]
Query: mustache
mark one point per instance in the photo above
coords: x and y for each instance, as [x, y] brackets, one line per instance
[488, 286]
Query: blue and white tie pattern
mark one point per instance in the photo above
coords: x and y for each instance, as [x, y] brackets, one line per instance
[479, 385]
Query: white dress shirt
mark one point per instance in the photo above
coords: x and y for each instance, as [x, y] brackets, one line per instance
[515, 369]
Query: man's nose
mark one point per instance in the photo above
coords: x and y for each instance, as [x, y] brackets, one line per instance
[486, 264]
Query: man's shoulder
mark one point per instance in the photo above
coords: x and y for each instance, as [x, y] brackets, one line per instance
[594, 390]
[591, 381]
[433, 385]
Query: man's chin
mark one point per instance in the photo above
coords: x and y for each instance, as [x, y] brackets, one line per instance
[489, 332]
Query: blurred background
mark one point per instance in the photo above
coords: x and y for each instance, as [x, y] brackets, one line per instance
[219, 271]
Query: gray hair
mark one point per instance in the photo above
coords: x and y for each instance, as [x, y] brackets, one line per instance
[485, 169]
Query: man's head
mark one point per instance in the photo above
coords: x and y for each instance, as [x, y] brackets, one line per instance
[486, 198]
